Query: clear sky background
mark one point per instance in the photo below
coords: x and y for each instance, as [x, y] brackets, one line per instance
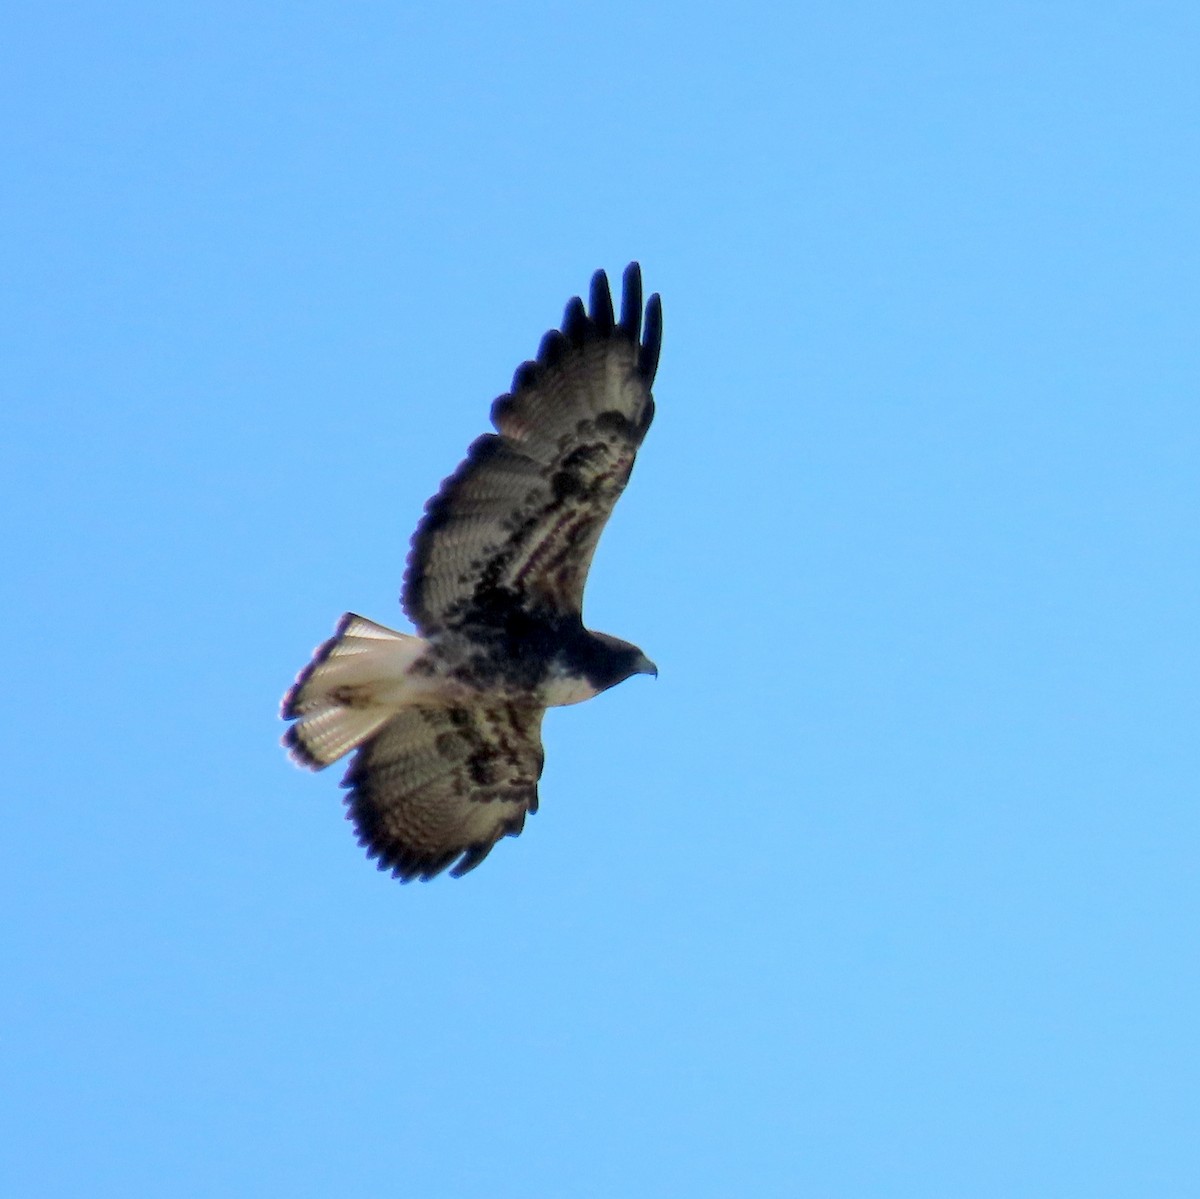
[888, 885]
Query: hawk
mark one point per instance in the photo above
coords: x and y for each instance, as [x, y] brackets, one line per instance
[445, 725]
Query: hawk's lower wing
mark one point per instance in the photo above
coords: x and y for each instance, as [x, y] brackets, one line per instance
[437, 786]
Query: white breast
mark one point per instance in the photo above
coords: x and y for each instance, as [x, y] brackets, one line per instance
[560, 690]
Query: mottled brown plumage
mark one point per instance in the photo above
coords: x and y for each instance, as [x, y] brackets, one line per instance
[447, 726]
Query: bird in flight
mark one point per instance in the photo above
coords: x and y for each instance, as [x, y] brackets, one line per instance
[445, 725]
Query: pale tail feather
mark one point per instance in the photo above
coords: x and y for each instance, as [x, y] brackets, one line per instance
[354, 684]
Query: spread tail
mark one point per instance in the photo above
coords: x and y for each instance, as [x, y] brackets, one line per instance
[352, 687]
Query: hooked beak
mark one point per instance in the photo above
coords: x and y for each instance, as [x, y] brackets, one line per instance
[645, 666]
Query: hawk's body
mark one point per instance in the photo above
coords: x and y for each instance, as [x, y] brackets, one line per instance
[447, 725]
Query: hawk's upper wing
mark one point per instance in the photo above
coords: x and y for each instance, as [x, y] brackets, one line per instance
[518, 521]
[436, 784]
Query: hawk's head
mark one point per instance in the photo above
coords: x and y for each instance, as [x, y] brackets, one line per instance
[610, 661]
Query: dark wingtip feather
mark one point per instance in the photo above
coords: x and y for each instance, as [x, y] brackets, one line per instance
[526, 375]
[580, 325]
[475, 853]
[473, 856]
[553, 347]
[576, 327]
[601, 305]
[631, 302]
[502, 406]
[651, 346]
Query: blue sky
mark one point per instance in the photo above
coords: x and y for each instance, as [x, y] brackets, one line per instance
[887, 885]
